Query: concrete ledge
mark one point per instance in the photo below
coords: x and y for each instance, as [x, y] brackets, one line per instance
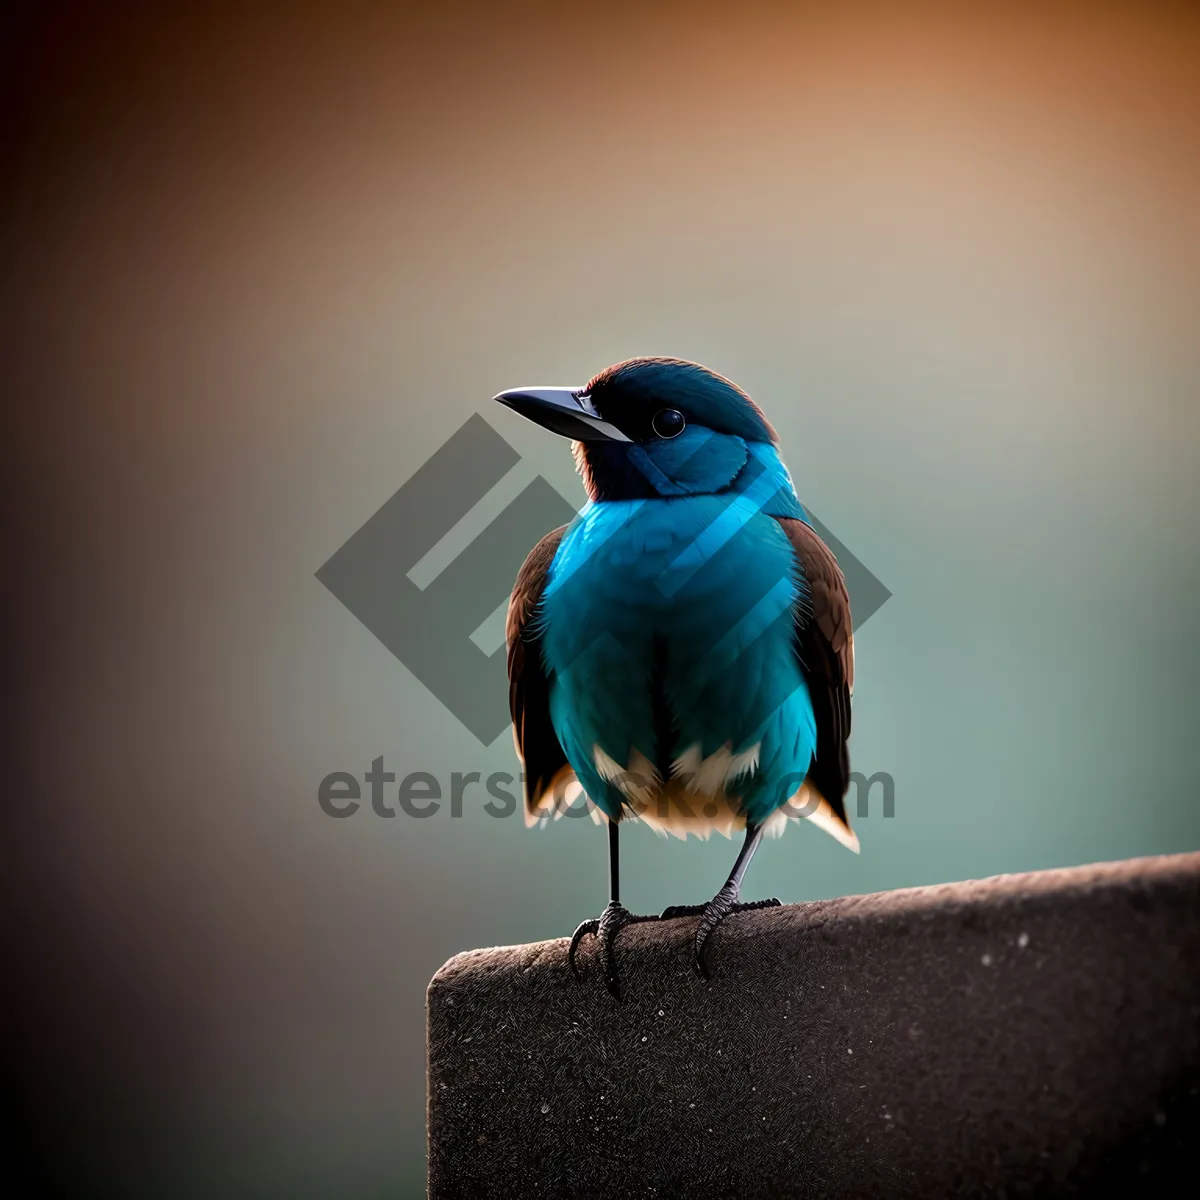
[1024, 1035]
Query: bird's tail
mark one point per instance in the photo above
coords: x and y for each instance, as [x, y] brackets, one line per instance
[808, 804]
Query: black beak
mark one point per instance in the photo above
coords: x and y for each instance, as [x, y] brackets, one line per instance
[562, 410]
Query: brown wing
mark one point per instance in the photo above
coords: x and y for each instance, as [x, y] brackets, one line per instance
[528, 686]
[825, 648]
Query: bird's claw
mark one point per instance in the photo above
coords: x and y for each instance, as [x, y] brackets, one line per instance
[605, 927]
[591, 925]
[714, 913]
[616, 916]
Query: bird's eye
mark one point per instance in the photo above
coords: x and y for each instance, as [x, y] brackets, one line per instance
[668, 423]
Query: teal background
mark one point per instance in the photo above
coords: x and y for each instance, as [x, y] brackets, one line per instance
[260, 263]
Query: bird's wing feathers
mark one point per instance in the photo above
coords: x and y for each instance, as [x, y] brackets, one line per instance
[825, 647]
[528, 686]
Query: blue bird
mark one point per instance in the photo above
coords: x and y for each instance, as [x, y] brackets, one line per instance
[682, 652]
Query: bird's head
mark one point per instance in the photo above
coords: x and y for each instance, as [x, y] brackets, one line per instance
[651, 427]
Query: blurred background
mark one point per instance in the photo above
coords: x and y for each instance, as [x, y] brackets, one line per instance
[259, 262]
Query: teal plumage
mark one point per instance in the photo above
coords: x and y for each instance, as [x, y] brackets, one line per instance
[634, 590]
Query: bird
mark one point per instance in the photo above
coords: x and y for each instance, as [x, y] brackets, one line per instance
[682, 652]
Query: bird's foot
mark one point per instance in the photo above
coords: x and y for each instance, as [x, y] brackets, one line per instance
[722, 905]
[605, 928]
[694, 910]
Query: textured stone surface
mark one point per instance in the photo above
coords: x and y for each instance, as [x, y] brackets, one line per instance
[1024, 1035]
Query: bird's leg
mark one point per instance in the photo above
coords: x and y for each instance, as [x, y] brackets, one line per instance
[694, 910]
[611, 921]
[724, 902]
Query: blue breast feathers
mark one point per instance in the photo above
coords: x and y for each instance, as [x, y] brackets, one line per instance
[668, 629]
